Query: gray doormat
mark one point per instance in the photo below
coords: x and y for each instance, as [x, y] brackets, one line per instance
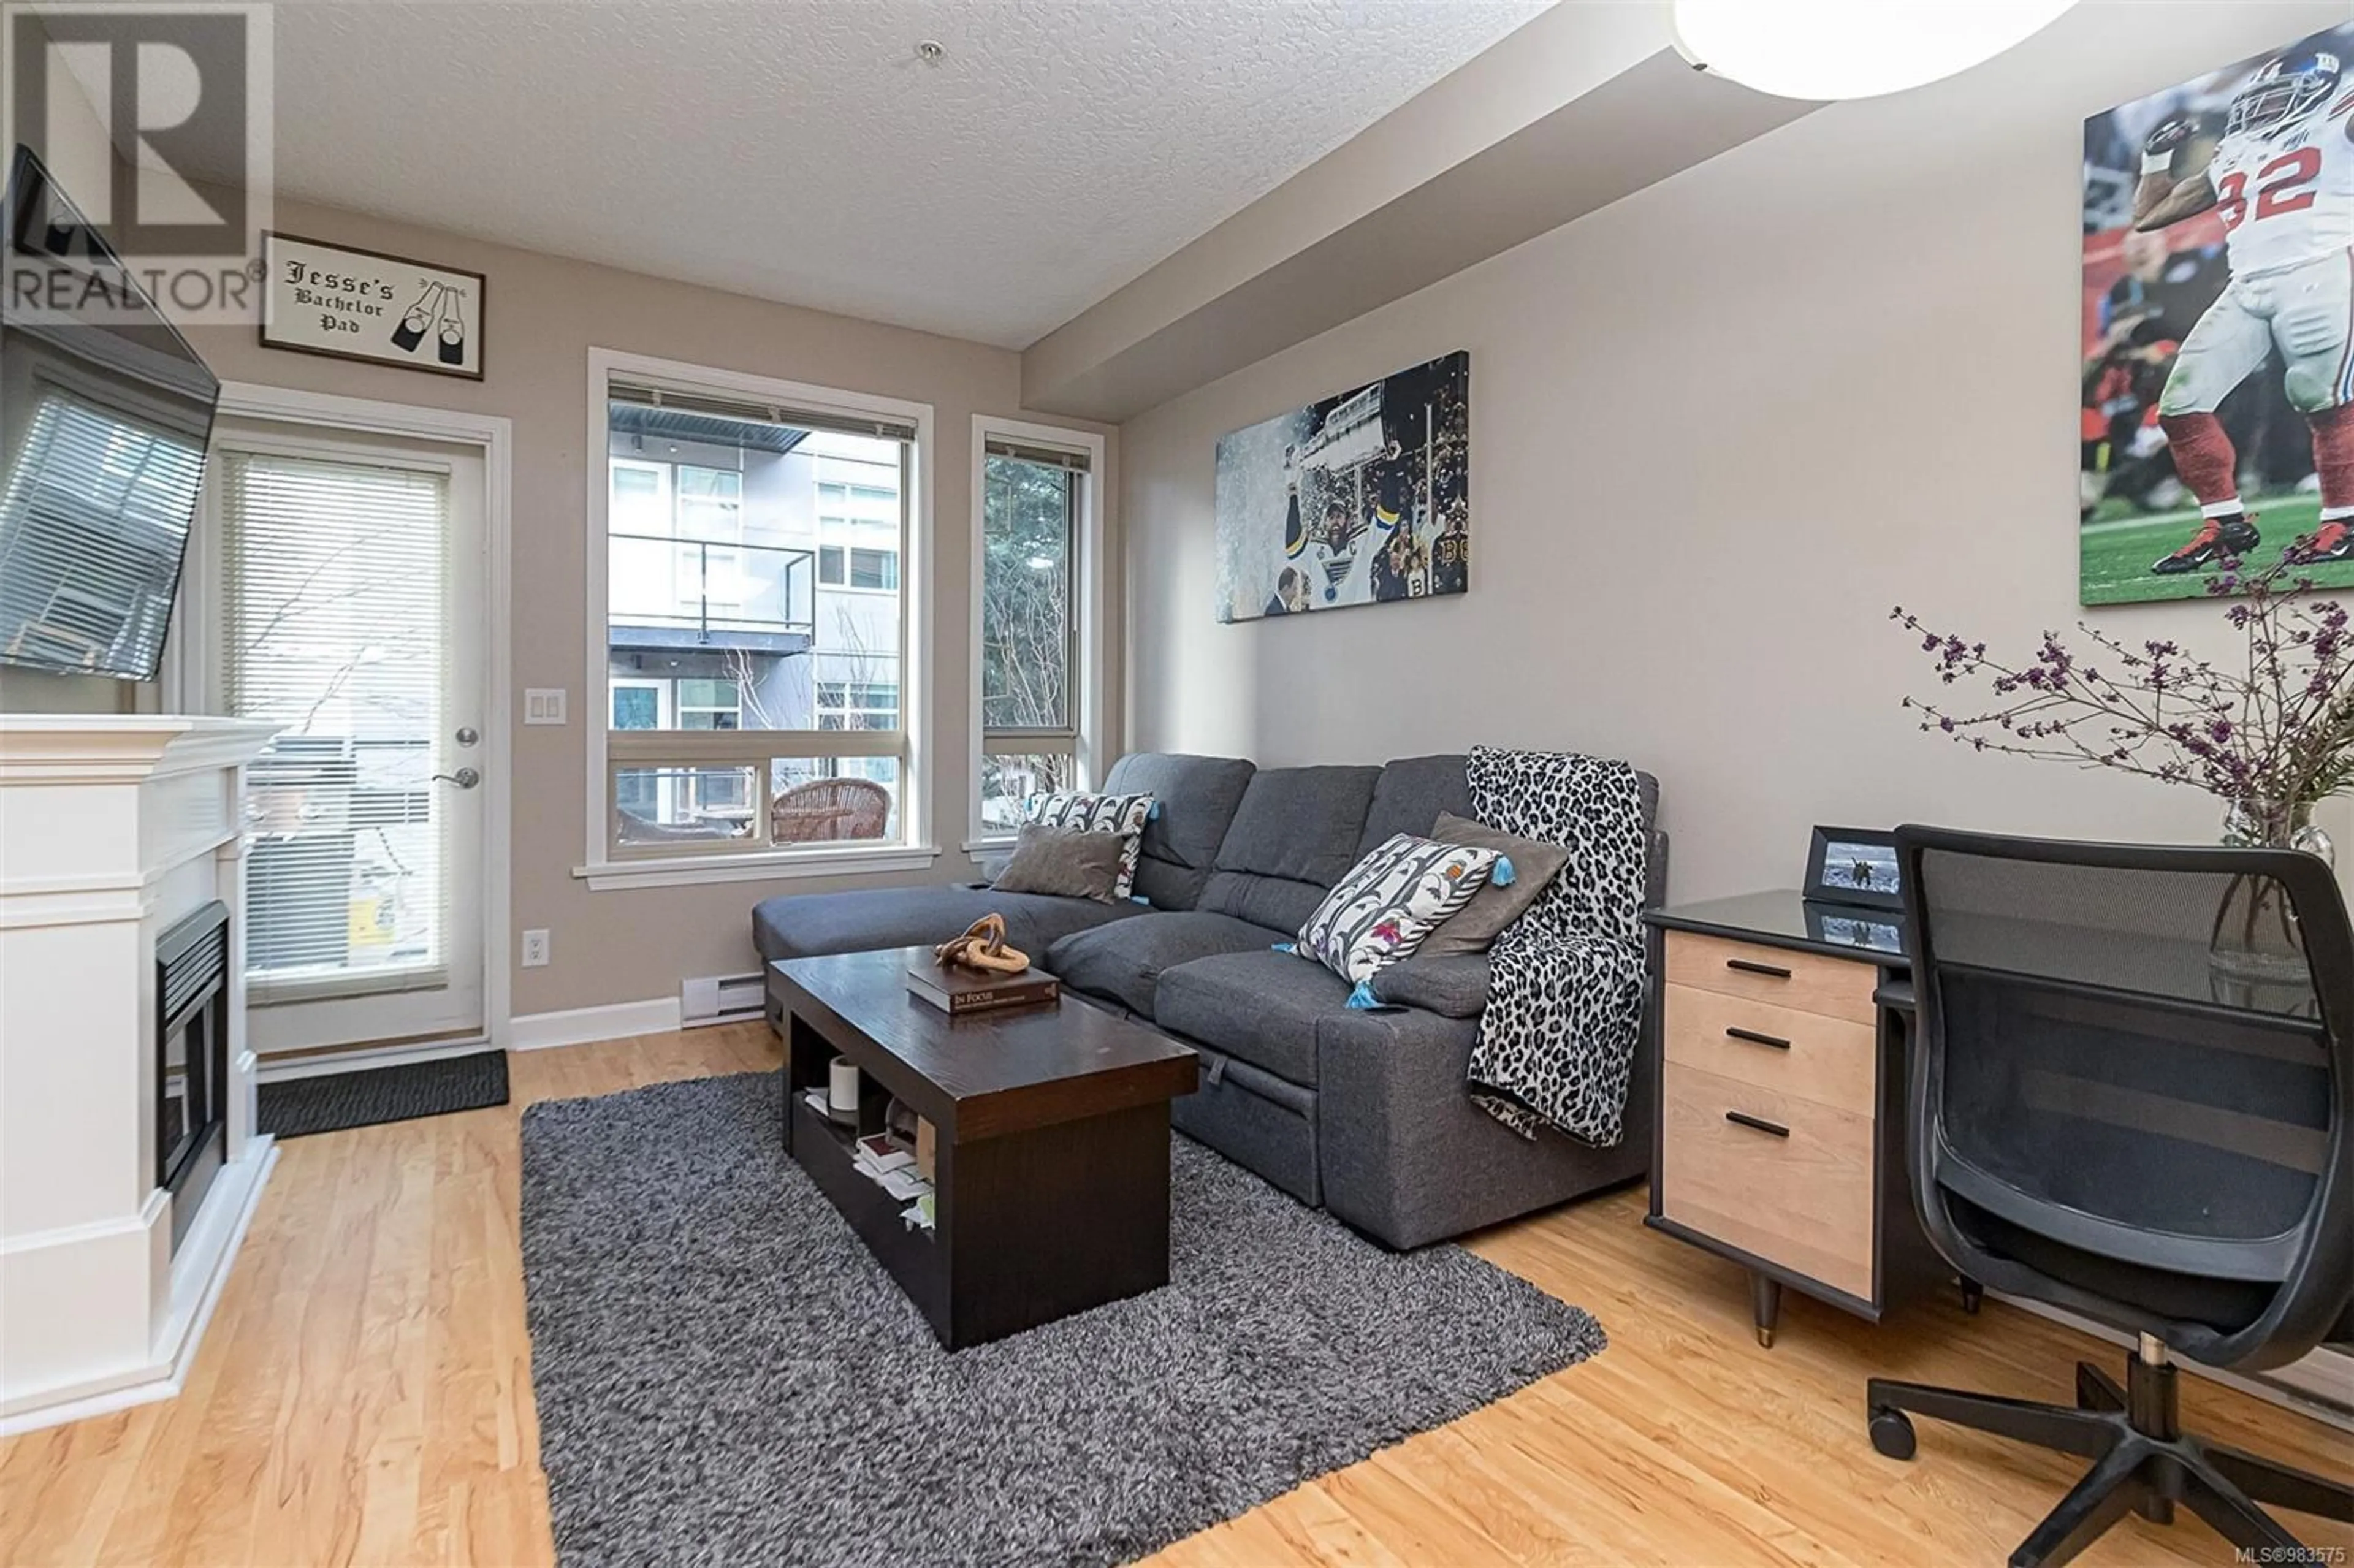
[333, 1102]
[725, 1376]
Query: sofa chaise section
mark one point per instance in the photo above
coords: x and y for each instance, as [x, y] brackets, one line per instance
[807, 925]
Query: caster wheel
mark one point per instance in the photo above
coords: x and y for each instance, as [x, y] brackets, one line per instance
[1892, 1433]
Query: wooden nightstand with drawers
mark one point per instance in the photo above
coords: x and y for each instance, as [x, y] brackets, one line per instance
[1778, 1136]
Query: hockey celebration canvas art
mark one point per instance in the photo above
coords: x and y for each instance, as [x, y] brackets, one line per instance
[2216, 422]
[1361, 498]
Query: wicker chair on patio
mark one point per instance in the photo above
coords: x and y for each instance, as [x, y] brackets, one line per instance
[827, 809]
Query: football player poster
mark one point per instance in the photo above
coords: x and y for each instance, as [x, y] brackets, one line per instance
[2217, 418]
[1362, 498]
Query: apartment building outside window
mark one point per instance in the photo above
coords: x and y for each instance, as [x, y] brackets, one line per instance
[753, 620]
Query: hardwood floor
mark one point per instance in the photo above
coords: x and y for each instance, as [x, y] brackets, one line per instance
[364, 1396]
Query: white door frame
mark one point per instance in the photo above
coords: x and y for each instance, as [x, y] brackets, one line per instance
[494, 436]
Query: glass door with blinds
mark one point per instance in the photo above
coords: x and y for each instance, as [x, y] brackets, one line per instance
[345, 584]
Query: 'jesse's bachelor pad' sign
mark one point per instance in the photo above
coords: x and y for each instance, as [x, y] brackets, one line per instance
[359, 305]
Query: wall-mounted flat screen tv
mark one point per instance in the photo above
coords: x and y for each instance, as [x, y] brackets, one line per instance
[105, 412]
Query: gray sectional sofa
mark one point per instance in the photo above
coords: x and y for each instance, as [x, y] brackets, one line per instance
[1362, 1112]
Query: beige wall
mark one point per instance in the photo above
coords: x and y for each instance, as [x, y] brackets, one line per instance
[543, 316]
[1718, 429]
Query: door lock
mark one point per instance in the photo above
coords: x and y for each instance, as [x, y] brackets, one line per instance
[469, 735]
[464, 778]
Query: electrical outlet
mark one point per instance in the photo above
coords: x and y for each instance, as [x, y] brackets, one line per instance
[543, 704]
[534, 949]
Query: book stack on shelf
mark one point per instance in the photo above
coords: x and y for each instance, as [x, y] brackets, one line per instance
[957, 992]
[890, 1163]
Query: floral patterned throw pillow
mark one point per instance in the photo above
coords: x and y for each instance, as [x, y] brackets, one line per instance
[1390, 901]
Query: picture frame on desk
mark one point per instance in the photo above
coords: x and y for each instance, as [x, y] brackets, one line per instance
[1855, 866]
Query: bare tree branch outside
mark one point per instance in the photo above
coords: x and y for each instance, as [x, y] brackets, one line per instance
[1026, 629]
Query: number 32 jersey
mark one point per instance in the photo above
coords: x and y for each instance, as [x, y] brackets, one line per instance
[2286, 197]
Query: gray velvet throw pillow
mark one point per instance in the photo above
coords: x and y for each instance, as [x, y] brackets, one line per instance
[1475, 927]
[1072, 862]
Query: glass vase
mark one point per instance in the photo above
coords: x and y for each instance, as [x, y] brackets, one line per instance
[2255, 937]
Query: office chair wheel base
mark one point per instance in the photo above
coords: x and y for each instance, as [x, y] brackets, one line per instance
[1892, 1433]
[2143, 1462]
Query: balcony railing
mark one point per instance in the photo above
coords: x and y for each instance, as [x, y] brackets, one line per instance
[710, 587]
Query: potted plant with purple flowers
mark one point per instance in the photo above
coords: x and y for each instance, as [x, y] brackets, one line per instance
[2270, 732]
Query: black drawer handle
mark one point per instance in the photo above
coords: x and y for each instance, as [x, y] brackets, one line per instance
[1773, 971]
[1755, 1038]
[1742, 1118]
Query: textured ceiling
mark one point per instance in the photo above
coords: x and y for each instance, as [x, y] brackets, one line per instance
[799, 150]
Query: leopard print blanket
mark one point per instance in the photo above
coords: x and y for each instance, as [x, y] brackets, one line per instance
[1565, 980]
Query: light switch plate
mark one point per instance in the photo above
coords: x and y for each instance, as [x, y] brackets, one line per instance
[543, 704]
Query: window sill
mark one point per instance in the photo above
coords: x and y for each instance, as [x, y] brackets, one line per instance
[760, 865]
[981, 848]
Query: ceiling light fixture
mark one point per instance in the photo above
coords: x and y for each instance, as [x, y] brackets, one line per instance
[1850, 48]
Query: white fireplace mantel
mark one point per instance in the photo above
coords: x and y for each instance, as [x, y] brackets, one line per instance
[113, 827]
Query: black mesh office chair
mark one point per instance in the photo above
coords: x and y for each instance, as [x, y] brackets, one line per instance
[2103, 1118]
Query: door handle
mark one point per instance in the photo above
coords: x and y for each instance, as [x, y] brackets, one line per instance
[464, 778]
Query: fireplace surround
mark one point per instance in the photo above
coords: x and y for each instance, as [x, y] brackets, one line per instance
[130, 1164]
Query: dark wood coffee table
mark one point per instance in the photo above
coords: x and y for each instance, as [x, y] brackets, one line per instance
[1052, 1165]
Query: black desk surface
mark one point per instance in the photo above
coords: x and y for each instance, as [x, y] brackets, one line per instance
[1784, 919]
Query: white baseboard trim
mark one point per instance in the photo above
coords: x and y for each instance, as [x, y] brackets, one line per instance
[580, 1025]
[270, 1072]
[145, 1385]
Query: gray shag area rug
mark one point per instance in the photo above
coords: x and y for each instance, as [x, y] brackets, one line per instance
[725, 1376]
[334, 1102]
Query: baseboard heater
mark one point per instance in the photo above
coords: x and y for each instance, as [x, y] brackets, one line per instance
[719, 999]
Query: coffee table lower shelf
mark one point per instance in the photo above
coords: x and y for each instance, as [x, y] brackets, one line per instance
[913, 1257]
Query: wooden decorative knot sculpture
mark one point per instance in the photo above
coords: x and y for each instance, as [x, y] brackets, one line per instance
[983, 946]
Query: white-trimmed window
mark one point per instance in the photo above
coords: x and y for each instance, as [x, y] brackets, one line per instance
[1037, 694]
[754, 549]
[857, 704]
